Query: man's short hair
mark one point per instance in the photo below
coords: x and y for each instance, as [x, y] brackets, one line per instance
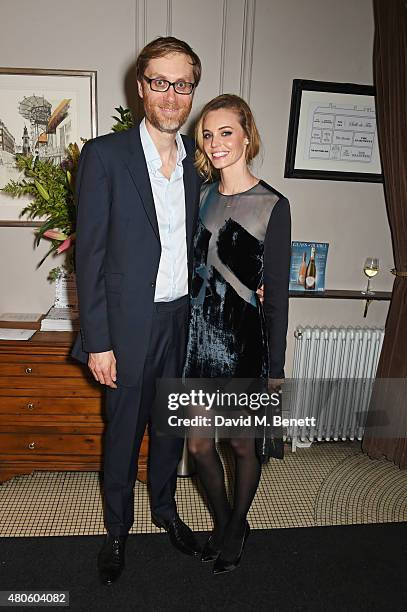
[164, 45]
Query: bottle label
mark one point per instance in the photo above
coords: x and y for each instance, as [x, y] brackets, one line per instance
[310, 281]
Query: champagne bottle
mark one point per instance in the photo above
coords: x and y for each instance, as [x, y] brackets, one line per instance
[302, 270]
[311, 273]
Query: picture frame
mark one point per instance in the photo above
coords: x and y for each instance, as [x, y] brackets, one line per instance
[332, 132]
[41, 112]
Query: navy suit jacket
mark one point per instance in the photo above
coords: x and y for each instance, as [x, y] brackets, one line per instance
[118, 248]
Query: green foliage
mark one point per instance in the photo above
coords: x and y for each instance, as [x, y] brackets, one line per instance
[52, 195]
[51, 188]
[53, 274]
[125, 120]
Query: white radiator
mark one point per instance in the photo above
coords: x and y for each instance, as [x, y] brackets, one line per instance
[332, 378]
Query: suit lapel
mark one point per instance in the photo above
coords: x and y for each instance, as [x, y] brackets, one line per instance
[190, 186]
[136, 164]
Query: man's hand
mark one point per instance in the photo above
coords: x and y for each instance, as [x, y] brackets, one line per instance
[260, 293]
[103, 368]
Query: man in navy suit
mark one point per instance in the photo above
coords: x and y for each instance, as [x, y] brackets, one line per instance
[137, 195]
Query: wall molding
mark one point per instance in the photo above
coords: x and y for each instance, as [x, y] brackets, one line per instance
[168, 29]
[247, 49]
[223, 47]
[141, 25]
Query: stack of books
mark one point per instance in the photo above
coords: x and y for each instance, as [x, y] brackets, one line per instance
[60, 319]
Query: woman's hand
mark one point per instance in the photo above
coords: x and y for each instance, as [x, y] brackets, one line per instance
[274, 384]
[260, 293]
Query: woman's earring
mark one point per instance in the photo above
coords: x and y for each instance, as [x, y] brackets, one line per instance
[246, 142]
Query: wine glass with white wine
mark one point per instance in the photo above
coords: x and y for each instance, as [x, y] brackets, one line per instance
[370, 268]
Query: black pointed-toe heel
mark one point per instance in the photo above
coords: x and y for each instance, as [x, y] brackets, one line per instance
[209, 552]
[223, 565]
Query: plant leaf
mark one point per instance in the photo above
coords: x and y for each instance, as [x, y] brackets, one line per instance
[53, 248]
[42, 191]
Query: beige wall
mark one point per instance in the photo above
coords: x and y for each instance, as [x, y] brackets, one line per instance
[253, 48]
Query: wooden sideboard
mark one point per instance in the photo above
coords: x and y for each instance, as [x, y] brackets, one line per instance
[51, 409]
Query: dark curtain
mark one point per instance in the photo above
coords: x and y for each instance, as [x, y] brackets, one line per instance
[388, 404]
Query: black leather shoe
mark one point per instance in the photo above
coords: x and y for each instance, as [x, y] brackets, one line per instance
[111, 558]
[181, 536]
[224, 565]
[210, 552]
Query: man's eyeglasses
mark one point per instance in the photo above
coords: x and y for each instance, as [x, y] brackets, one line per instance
[180, 87]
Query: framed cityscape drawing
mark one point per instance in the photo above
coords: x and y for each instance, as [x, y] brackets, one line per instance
[41, 113]
[332, 132]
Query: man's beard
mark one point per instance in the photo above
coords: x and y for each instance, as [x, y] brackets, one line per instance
[170, 125]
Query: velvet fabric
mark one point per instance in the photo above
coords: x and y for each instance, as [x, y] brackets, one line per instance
[242, 241]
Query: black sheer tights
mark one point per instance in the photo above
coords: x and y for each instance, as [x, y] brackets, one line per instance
[229, 523]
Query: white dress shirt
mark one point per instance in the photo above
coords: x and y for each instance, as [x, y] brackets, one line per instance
[169, 201]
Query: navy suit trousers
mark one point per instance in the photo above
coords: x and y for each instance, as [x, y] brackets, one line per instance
[129, 409]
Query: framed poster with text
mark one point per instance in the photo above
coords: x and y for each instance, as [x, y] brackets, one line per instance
[332, 132]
